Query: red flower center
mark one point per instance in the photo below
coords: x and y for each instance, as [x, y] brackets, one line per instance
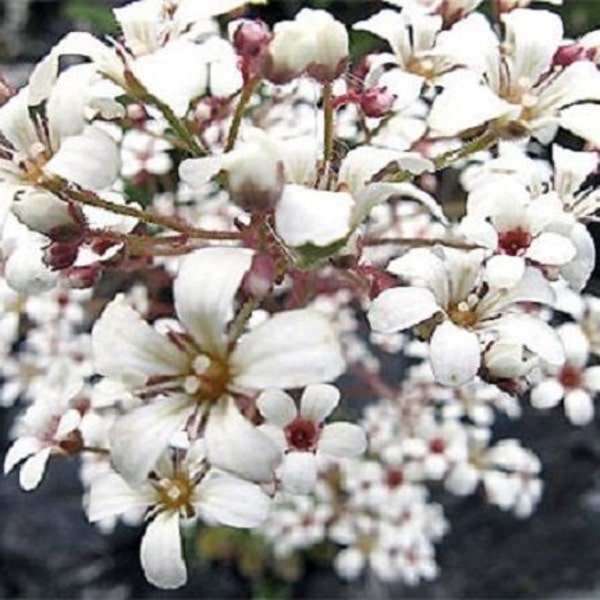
[302, 434]
[514, 241]
[570, 377]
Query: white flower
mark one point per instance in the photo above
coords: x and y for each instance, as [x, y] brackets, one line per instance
[179, 488]
[515, 84]
[521, 229]
[302, 436]
[195, 373]
[574, 384]
[49, 426]
[452, 284]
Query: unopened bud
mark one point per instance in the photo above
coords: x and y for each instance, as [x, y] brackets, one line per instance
[379, 280]
[250, 38]
[84, 277]
[45, 213]
[255, 176]
[258, 280]
[377, 102]
[60, 255]
[314, 43]
[570, 53]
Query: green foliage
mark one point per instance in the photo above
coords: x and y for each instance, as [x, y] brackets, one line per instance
[97, 17]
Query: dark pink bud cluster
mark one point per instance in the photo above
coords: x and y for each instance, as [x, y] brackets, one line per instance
[377, 102]
[374, 102]
[250, 38]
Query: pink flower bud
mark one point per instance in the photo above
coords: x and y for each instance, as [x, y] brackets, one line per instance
[258, 280]
[571, 53]
[60, 255]
[377, 102]
[84, 277]
[250, 38]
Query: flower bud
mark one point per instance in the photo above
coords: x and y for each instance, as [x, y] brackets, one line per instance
[331, 44]
[84, 277]
[250, 38]
[377, 102]
[571, 53]
[60, 255]
[255, 175]
[314, 43]
[45, 213]
[258, 280]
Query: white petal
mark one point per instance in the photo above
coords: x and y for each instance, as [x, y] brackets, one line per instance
[232, 501]
[20, 449]
[111, 495]
[547, 394]
[308, 216]
[68, 423]
[534, 334]
[464, 105]
[582, 120]
[125, 347]
[204, 291]
[579, 270]
[196, 172]
[343, 440]
[550, 248]
[462, 479]
[579, 407]
[591, 377]
[139, 438]
[160, 552]
[479, 231]
[291, 349]
[299, 472]
[319, 401]
[33, 468]
[276, 407]
[504, 271]
[234, 444]
[376, 193]
[25, 271]
[161, 73]
[90, 159]
[401, 307]
[454, 354]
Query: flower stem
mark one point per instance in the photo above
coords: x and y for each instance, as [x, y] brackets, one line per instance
[328, 115]
[71, 192]
[245, 96]
[419, 242]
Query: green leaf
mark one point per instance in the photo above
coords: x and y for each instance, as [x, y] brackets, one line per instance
[310, 254]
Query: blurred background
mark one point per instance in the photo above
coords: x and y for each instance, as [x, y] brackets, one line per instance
[47, 548]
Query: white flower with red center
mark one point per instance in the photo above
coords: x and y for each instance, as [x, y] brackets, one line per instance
[50, 426]
[463, 310]
[302, 435]
[520, 228]
[190, 378]
[179, 489]
[575, 383]
[517, 85]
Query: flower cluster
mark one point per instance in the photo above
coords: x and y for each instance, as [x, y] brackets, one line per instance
[202, 232]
